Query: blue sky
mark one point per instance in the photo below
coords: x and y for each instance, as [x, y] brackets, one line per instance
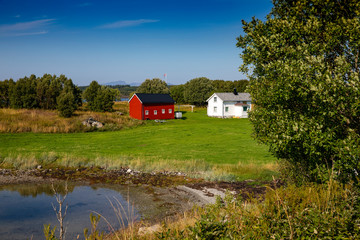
[121, 40]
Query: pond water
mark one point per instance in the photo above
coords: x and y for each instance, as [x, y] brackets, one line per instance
[24, 209]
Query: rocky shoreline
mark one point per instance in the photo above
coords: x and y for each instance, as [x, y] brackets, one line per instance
[170, 193]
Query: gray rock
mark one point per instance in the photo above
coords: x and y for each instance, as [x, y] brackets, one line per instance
[90, 122]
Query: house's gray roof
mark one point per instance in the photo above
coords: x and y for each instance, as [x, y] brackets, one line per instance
[232, 97]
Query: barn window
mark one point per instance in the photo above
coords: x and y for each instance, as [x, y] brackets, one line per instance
[155, 112]
[163, 111]
[146, 112]
[170, 110]
[215, 109]
[215, 99]
[226, 109]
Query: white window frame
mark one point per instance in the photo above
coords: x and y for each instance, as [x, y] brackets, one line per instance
[226, 109]
[146, 112]
[163, 111]
[215, 109]
[170, 110]
[155, 112]
[215, 99]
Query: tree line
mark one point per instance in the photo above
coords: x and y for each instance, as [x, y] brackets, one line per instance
[195, 91]
[46, 92]
[51, 92]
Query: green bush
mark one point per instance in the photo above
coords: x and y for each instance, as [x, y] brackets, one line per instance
[66, 104]
[328, 211]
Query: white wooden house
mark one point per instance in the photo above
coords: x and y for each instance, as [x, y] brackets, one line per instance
[226, 105]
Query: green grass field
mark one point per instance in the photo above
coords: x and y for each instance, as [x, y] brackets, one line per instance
[196, 143]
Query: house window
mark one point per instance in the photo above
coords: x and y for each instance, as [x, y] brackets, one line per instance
[245, 109]
[226, 109]
[170, 110]
[155, 112]
[163, 111]
[215, 109]
[215, 99]
[146, 112]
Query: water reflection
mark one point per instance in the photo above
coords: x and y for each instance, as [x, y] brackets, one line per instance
[24, 209]
[26, 190]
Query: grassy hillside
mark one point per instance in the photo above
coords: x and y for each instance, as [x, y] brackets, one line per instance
[196, 143]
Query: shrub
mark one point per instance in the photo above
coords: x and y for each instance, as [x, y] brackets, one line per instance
[66, 104]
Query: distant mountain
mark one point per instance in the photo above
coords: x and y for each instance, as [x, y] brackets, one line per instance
[116, 83]
[135, 84]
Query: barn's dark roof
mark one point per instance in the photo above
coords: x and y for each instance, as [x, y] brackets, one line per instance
[154, 98]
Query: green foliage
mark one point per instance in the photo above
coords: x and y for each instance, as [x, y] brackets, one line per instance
[177, 93]
[155, 85]
[47, 92]
[124, 90]
[91, 93]
[228, 86]
[198, 90]
[49, 233]
[100, 98]
[4, 93]
[66, 104]
[303, 63]
[94, 234]
[328, 211]
[105, 98]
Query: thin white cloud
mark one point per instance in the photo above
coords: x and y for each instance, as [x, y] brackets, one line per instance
[29, 33]
[17, 16]
[128, 23]
[26, 28]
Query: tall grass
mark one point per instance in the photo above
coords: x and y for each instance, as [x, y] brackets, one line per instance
[329, 211]
[49, 121]
[192, 168]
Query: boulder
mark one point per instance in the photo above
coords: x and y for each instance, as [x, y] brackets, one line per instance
[90, 122]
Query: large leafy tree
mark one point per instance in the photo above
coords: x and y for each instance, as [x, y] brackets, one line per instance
[177, 93]
[198, 90]
[155, 85]
[228, 86]
[303, 66]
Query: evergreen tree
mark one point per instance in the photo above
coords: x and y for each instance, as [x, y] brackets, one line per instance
[91, 93]
[99, 98]
[66, 104]
[5, 93]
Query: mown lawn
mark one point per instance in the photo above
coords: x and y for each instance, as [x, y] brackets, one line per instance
[194, 138]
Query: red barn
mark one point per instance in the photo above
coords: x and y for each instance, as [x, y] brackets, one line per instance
[146, 106]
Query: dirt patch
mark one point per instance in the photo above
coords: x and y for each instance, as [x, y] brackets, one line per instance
[245, 189]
